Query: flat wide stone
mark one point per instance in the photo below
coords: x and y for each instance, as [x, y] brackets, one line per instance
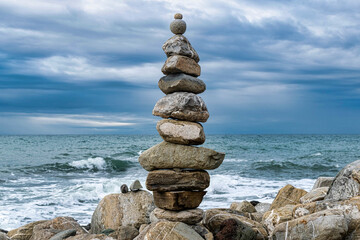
[182, 106]
[181, 132]
[179, 200]
[181, 82]
[181, 64]
[190, 216]
[180, 45]
[172, 230]
[168, 155]
[170, 180]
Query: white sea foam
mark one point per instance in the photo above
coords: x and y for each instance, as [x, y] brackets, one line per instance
[317, 154]
[90, 163]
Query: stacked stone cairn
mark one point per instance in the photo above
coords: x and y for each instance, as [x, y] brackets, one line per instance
[177, 173]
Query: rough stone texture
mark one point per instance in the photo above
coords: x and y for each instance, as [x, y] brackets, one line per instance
[183, 106]
[178, 16]
[168, 155]
[346, 183]
[115, 210]
[323, 182]
[191, 216]
[243, 206]
[91, 237]
[144, 231]
[180, 45]
[135, 186]
[125, 233]
[181, 82]
[180, 200]
[172, 230]
[181, 132]
[203, 231]
[181, 64]
[233, 229]
[256, 216]
[3, 236]
[24, 232]
[178, 26]
[49, 228]
[213, 218]
[64, 234]
[316, 194]
[324, 225]
[262, 207]
[288, 195]
[171, 180]
[277, 216]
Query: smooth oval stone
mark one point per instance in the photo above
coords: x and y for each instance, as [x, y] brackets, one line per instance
[183, 106]
[168, 155]
[191, 216]
[64, 234]
[135, 186]
[124, 188]
[180, 45]
[170, 180]
[181, 132]
[178, 26]
[178, 200]
[181, 82]
[181, 64]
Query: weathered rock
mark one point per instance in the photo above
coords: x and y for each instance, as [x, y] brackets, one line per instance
[181, 64]
[213, 218]
[324, 225]
[190, 216]
[243, 206]
[323, 182]
[172, 230]
[286, 196]
[49, 228]
[91, 237]
[135, 186]
[181, 82]
[178, 26]
[125, 233]
[180, 45]
[256, 216]
[233, 229]
[183, 106]
[64, 234]
[24, 232]
[124, 188]
[277, 216]
[144, 231]
[262, 207]
[203, 231]
[181, 132]
[168, 155]
[346, 183]
[179, 200]
[170, 180]
[115, 210]
[316, 194]
[3, 236]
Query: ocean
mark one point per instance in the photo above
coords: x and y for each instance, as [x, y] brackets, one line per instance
[42, 177]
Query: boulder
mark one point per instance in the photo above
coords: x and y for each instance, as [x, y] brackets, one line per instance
[203, 231]
[346, 183]
[179, 200]
[115, 210]
[3, 236]
[277, 216]
[181, 64]
[233, 229]
[144, 231]
[288, 195]
[64, 234]
[323, 225]
[24, 232]
[125, 233]
[181, 82]
[91, 237]
[180, 45]
[243, 206]
[171, 180]
[190, 216]
[183, 106]
[181, 132]
[262, 207]
[168, 155]
[323, 182]
[314, 195]
[172, 230]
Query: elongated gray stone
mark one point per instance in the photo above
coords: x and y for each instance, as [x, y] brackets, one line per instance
[183, 106]
[181, 82]
[180, 45]
[181, 64]
[64, 234]
[168, 155]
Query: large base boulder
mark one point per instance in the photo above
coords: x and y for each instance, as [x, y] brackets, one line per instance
[172, 230]
[24, 232]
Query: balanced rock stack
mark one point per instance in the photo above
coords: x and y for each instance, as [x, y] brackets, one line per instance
[177, 174]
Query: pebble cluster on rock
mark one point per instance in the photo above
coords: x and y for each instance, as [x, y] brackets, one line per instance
[177, 174]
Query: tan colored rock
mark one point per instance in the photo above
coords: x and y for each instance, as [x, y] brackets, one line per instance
[190, 216]
[180, 45]
[203, 231]
[172, 230]
[144, 231]
[91, 237]
[276, 216]
[181, 64]
[168, 155]
[183, 106]
[3, 236]
[24, 232]
[179, 200]
[243, 206]
[181, 82]
[323, 225]
[288, 195]
[115, 210]
[125, 233]
[256, 216]
[170, 180]
[323, 182]
[181, 132]
[314, 195]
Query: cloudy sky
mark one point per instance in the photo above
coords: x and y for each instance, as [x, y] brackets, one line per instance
[92, 66]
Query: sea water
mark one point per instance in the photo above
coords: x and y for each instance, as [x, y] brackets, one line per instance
[42, 177]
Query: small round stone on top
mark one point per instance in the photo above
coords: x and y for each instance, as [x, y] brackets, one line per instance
[178, 16]
[178, 26]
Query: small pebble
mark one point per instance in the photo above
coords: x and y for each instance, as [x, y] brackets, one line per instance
[135, 186]
[124, 188]
[178, 16]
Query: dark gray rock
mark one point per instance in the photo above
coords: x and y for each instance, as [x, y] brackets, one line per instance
[64, 234]
[181, 82]
[323, 182]
[135, 186]
[180, 45]
[124, 188]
